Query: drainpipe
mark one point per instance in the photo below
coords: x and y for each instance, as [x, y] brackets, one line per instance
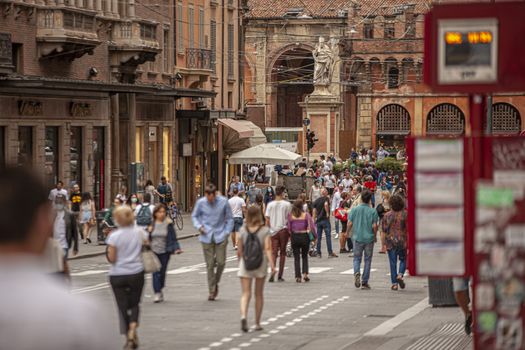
[223, 54]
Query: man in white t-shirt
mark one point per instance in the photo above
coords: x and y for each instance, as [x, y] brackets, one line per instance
[277, 219]
[347, 182]
[238, 206]
[38, 312]
[56, 191]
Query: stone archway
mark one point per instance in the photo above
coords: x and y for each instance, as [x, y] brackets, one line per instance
[506, 119]
[392, 125]
[291, 79]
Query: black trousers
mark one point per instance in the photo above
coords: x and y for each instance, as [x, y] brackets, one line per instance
[300, 248]
[349, 243]
[128, 291]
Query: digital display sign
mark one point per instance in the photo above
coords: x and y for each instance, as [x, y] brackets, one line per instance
[467, 51]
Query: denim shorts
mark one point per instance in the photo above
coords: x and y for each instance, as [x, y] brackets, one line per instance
[237, 224]
[460, 284]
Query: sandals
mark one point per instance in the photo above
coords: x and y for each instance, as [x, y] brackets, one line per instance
[394, 287]
[298, 280]
[306, 278]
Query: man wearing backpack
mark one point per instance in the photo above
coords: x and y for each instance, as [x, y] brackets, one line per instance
[144, 212]
[212, 217]
[165, 191]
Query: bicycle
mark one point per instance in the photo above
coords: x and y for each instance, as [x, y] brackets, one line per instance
[176, 216]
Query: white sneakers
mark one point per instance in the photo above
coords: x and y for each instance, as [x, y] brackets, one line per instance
[158, 298]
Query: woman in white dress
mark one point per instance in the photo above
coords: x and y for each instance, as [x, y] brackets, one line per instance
[254, 226]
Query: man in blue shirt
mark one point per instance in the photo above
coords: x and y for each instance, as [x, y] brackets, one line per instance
[212, 216]
[362, 221]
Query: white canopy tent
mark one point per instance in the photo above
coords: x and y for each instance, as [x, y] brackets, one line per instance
[266, 153]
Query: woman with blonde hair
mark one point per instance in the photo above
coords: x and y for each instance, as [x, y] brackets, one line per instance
[254, 253]
[126, 275]
[382, 209]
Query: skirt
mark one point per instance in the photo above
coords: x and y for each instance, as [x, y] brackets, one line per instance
[261, 272]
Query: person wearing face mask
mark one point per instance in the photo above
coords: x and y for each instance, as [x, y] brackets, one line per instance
[133, 201]
[65, 230]
[252, 193]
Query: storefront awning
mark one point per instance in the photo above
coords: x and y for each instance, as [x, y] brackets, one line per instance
[239, 135]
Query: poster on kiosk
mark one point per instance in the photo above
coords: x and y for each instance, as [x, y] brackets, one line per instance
[476, 49]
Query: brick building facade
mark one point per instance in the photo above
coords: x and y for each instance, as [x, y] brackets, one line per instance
[377, 77]
[384, 94]
[89, 87]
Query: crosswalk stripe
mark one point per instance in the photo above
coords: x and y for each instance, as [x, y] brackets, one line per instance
[351, 272]
[88, 272]
[314, 270]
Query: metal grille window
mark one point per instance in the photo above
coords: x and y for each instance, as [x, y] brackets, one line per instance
[393, 120]
[213, 44]
[125, 30]
[368, 30]
[445, 119]
[201, 28]
[191, 26]
[148, 32]
[390, 31]
[506, 119]
[180, 28]
[230, 50]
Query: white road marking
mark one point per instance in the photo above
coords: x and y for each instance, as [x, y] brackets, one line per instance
[314, 270]
[226, 270]
[88, 273]
[351, 272]
[389, 325]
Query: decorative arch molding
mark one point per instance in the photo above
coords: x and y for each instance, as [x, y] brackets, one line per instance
[274, 56]
[445, 119]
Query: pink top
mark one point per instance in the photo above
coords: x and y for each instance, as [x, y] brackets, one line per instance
[301, 225]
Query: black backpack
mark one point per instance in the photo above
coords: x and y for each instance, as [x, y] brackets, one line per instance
[252, 252]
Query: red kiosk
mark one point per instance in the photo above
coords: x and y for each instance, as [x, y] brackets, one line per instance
[476, 225]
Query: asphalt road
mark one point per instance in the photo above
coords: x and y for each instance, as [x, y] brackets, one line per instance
[326, 313]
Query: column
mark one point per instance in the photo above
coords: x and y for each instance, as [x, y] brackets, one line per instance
[132, 126]
[98, 5]
[115, 138]
[131, 8]
[80, 3]
[90, 4]
[114, 7]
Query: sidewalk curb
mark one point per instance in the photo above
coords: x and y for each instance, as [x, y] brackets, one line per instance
[92, 255]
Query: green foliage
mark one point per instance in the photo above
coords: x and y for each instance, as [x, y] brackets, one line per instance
[390, 164]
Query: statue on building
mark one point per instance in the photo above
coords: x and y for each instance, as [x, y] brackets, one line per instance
[324, 58]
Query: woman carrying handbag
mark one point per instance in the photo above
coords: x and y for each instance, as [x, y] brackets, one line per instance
[303, 232]
[163, 242]
[126, 275]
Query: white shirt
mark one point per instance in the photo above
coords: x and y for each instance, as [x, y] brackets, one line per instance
[277, 211]
[54, 192]
[347, 183]
[38, 312]
[236, 204]
[128, 243]
[336, 201]
[59, 229]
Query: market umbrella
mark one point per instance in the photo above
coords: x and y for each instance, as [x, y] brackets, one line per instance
[266, 153]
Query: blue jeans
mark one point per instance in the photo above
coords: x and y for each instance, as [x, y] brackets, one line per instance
[368, 249]
[393, 255]
[159, 278]
[324, 225]
[337, 226]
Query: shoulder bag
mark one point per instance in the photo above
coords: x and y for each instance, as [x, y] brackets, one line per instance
[149, 259]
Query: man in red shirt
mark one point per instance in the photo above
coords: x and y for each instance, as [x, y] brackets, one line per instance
[371, 185]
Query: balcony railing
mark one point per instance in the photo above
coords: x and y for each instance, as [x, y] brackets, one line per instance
[198, 58]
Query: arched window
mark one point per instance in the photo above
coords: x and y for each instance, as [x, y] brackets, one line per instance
[445, 119]
[393, 78]
[506, 119]
[393, 120]
[393, 124]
